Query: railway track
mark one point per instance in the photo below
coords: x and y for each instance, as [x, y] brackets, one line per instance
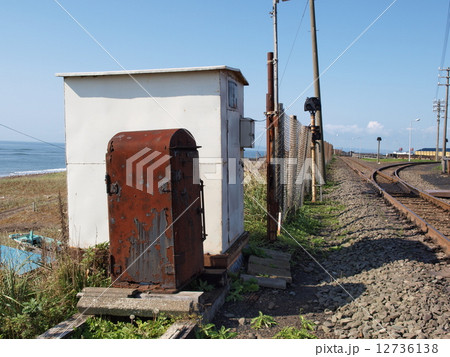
[430, 214]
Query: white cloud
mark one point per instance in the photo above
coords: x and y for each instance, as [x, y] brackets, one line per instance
[374, 127]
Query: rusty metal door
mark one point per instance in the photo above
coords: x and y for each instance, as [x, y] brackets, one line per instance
[154, 209]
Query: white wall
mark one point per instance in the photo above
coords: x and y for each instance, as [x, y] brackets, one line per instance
[98, 107]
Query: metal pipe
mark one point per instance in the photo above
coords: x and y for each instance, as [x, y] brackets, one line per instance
[438, 110]
[410, 137]
[313, 159]
[378, 152]
[272, 207]
[444, 135]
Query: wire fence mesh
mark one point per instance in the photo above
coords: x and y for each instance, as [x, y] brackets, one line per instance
[293, 163]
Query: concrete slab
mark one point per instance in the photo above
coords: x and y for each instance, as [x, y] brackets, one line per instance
[273, 283]
[107, 292]
[274, 263]
[275, 254]
[138, 307]
[194, 296]
[258, 269]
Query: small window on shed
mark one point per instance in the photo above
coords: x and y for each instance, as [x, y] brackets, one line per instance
[232, 94]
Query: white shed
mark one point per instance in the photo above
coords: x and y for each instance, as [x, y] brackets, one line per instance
[207, 101]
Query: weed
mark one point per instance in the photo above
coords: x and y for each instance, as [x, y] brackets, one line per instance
[304, 332]
[238, 288]
[200, 285]
[102, 328]
[263, 275]
[32, 303]
[292, 332]
[251, 286]
[233, 296]
[305, 323]
[255, 218]
[262, 320]
[63, 221]
[253, 249]
[211, 332]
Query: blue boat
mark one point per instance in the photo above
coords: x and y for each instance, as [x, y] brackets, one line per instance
[34, 240]
[18, 260]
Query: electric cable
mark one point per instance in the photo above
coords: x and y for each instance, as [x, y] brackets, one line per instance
[444, 48]
[295, 40]
[32, 137]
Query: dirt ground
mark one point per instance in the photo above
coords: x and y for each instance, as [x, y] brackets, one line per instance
[387, 280]
[32, 203]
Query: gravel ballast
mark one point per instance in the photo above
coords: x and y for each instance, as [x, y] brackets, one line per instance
[387, 280]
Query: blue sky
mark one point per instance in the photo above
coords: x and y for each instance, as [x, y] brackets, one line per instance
[385, 80]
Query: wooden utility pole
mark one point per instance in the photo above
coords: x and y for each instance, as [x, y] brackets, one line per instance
[444, 135]
[275, 56]
[271, 122]
[317, 85]
[437, 108]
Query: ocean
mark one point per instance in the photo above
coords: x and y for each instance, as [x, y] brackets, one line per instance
[251, 153]
[25, 158]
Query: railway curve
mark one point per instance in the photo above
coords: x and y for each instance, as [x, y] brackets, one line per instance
[430, 214]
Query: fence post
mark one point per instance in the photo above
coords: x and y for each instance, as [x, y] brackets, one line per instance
[271, 121]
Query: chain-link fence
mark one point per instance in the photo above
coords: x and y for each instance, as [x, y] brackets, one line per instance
[293, 163]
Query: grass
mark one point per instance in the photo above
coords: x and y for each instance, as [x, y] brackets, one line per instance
[22, 191]
[301, 229]
[32, 303]
[105, 328]
[394, 160]
[36, 200]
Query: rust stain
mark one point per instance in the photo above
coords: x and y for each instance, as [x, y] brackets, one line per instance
[154, 240]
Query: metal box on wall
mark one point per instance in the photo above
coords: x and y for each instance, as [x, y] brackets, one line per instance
[154, 208]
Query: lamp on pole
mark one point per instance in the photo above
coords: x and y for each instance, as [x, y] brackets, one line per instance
[410, 134]
[378, 150]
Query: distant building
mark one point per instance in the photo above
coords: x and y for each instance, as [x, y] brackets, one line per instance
[431, 152]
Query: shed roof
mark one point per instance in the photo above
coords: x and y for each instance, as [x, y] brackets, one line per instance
[236, 71]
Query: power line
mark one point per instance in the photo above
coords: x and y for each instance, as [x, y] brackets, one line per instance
[444, 48]
[295, 40]
[32, 137]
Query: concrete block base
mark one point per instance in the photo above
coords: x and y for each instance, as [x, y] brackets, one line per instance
[116, 302]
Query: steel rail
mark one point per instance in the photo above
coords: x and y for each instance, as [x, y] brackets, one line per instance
[428, 229]
[426, 196]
